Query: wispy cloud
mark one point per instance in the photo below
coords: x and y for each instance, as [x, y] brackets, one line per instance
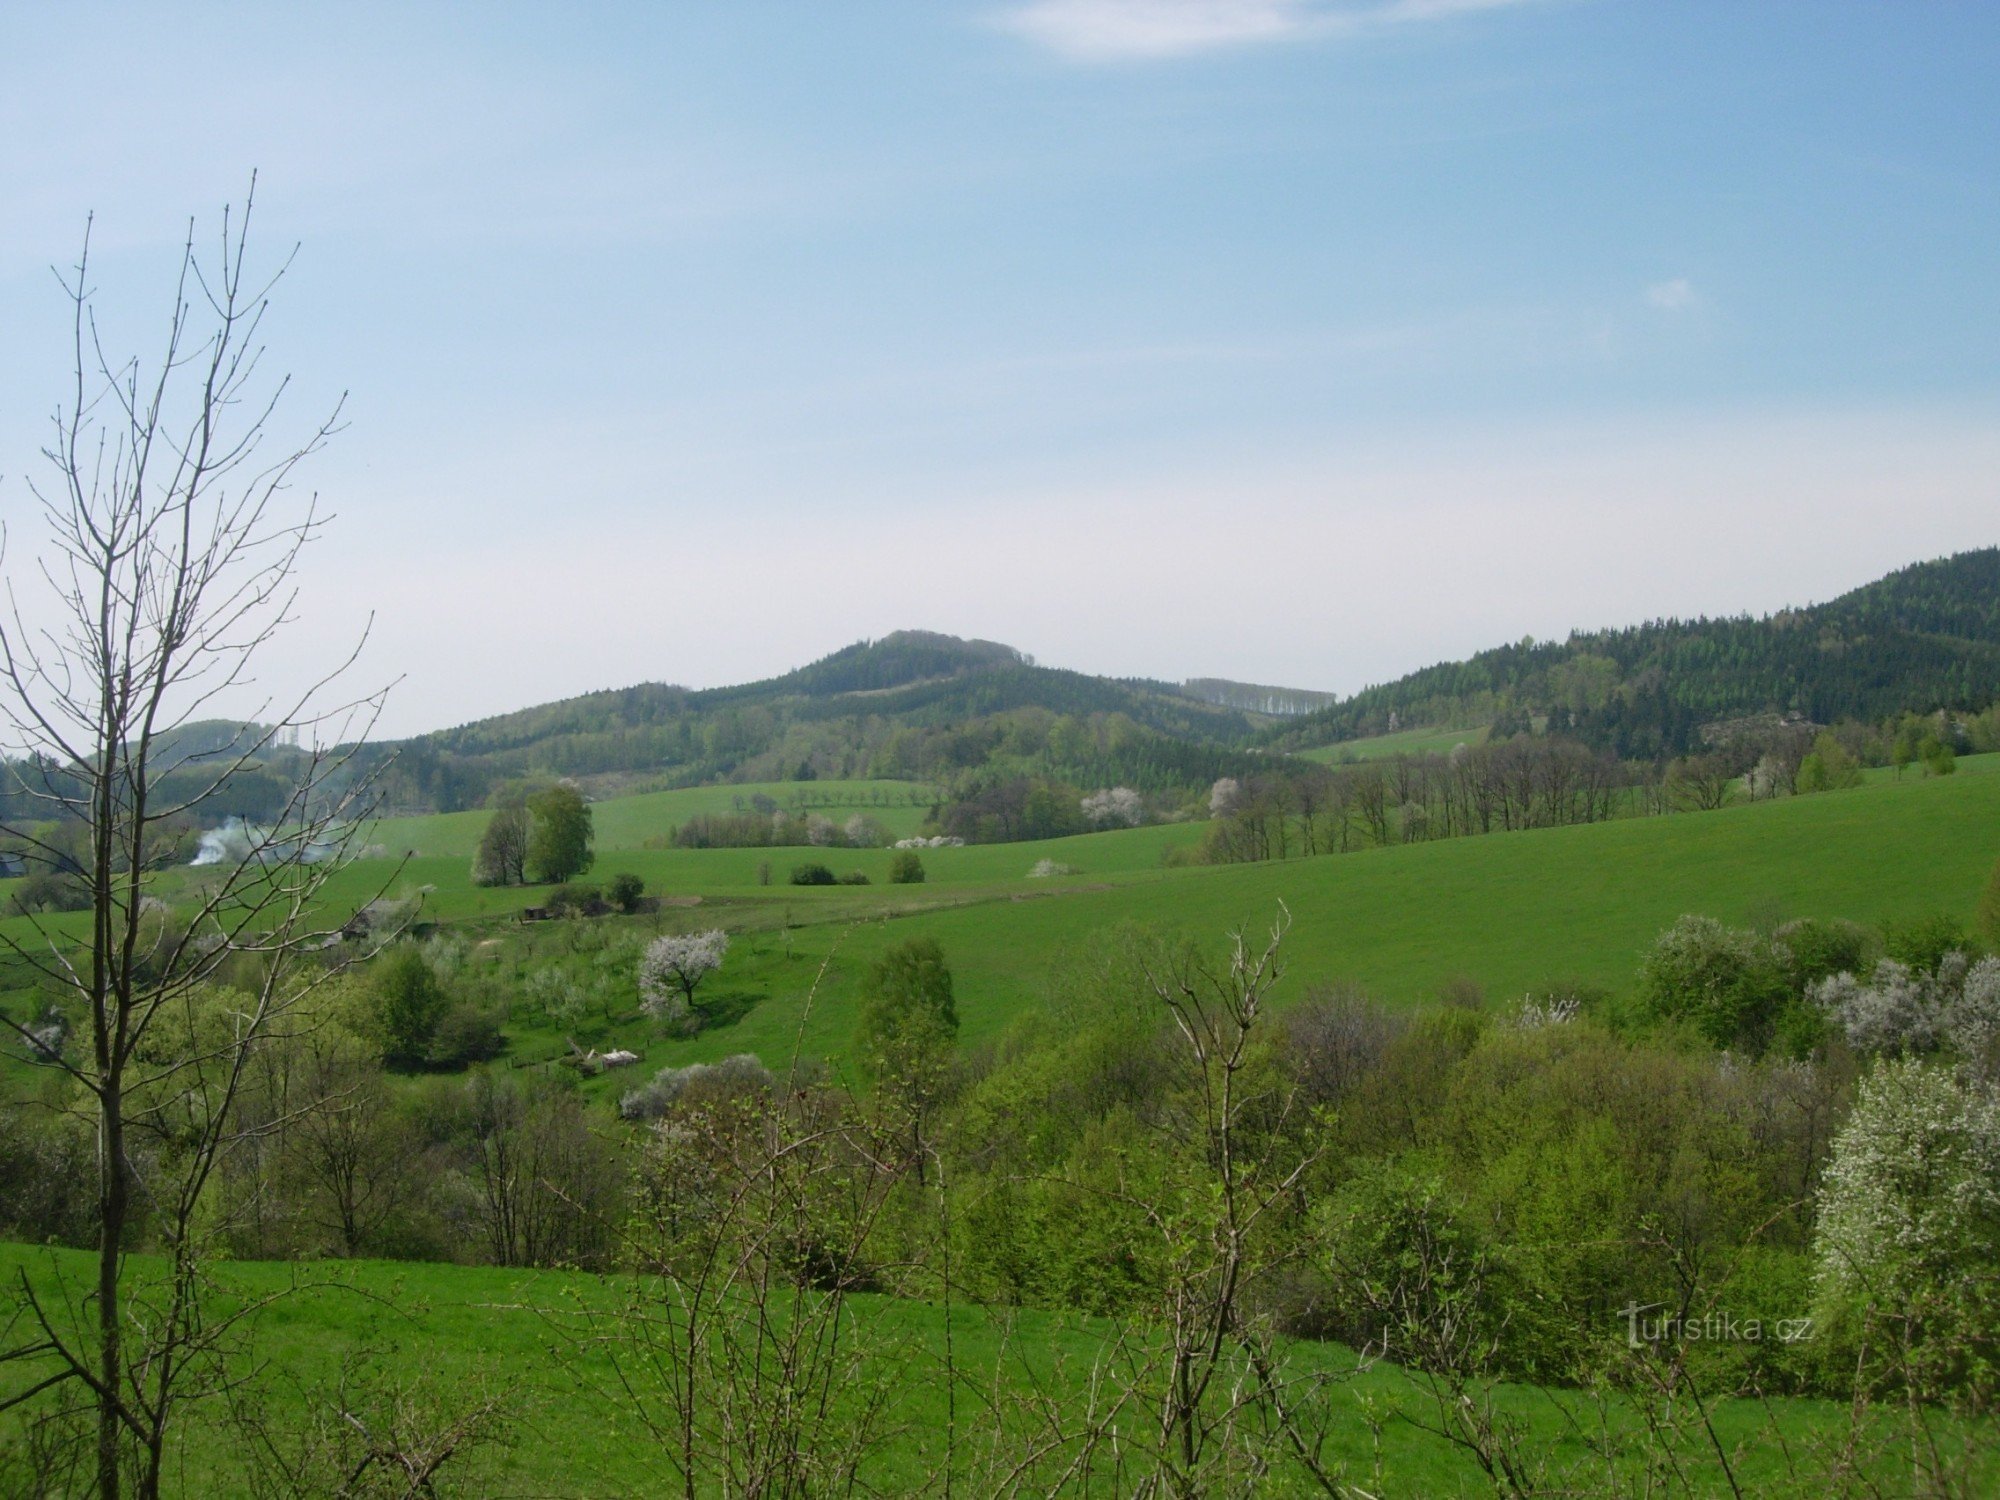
[1115, 30]
[1677, 295]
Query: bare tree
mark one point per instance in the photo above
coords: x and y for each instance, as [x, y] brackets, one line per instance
[169, 564]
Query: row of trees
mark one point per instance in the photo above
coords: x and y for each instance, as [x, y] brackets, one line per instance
[1487, 788]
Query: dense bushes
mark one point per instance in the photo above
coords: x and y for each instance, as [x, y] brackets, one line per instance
[1466, 1187]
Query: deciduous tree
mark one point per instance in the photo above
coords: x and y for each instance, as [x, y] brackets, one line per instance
[170, 552]
[559, 842]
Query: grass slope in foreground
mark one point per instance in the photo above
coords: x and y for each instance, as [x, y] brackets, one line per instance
[449, 1337]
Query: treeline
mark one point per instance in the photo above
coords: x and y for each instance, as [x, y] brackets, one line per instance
[758, 743]
[1309, 809]
[910, 706]
[1922, 639]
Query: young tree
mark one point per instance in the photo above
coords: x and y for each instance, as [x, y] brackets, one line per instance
[559, 842]
[170, 559]
[909, 1023]
[408, 1003]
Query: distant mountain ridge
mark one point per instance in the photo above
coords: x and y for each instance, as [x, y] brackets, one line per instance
[914, 704]
[925, 706]
[1922, 638]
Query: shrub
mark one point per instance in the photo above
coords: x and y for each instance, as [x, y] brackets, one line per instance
[906, 868]
[1118, 807]
[625, 891]
[855, 877]
[1905, 1010]
[864, 832]
[465, 1034]
[811, 874]
[1909, 1211]
[1726, 984]
[1828, 767]
[575, 901]
[45, 890]
[1408, 1271]
[1922, 942]
[697, 1083]
[1810, 951]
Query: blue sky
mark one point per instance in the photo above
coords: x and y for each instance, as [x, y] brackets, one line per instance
[1277, 339]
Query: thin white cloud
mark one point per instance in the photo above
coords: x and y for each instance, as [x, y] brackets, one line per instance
[1117, 30]
[1677, 295]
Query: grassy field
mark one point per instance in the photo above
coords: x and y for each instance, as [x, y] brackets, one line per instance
[1509, 911]
[450, 1337]
[1403, 742]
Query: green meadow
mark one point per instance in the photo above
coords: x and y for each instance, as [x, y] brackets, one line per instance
[1427, 741]
[442, 1339]
[1511, 912]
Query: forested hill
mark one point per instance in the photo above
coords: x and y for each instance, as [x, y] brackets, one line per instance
[912, 704]
[1923, 638]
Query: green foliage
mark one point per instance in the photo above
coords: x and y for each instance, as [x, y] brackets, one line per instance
[812, 873]
[1937, 756]
[1828, 767]
[465, 1033]
[575, 899]
[560, 840]
[907, 868]
[1989, 909]
[855, 877]
[1923, 638]
[1404, 1262]
[1810, 950]
[502, 858]
[909, 1016]
[1728, 986]
[1920, 943]
[407, 1005]
[49, 890]
[625, 890]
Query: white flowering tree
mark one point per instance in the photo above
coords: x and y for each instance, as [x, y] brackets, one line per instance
[1223, 797]
[674, 966]
[1899, 1009]
[1117, 807]
[1909, 1212]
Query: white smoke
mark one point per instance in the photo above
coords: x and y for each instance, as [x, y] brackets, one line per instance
[236, 842]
